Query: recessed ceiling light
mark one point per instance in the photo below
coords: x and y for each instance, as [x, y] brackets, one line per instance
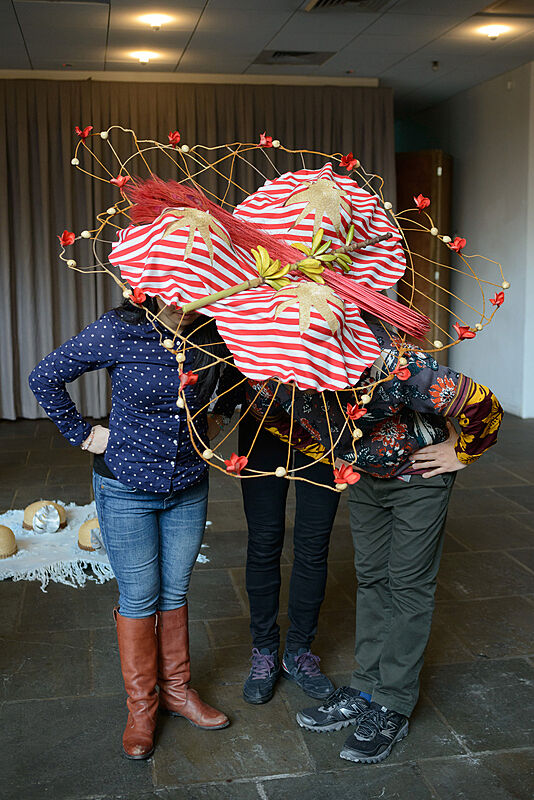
[144, 57]
[155, 20]
[494, 31]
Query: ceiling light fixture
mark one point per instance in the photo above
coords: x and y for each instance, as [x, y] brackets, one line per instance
[144, 57]
[494, 31]
[155, 20]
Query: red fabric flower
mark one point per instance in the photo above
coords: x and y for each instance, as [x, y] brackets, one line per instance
[346, 474]
[83, 134]
[265, 141]
[355, 412]
[236, 463]
[458, 244]
[464, 331]
[174, 138]
[138, 295]
[349, 162]
[120, 180]
[498, 300]
[66, 238]
[402, 373]
[188, 379]
[421, 202]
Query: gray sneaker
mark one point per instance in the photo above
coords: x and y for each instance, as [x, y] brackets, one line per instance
[303, 669]
[376, 733]
[265, 671]
[345, 707]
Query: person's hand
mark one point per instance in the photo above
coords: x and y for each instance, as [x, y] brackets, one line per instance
[438, 458]
[214, 425]
[97, 441]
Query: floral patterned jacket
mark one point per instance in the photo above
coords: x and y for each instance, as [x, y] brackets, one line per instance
[408, 411]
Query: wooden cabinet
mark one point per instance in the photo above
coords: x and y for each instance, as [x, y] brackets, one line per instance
[427, 172]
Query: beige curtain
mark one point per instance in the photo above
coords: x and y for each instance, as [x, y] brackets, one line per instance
[42, 303]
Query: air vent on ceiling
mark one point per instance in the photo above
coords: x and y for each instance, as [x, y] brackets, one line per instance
[295, 57]
[509, 8]
[367, 6]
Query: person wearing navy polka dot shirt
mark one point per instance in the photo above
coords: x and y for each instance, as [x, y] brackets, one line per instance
[151, 491]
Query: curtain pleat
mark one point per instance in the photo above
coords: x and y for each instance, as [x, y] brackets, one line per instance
[42, 303]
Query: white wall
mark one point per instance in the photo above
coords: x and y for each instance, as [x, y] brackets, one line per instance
[489, 131]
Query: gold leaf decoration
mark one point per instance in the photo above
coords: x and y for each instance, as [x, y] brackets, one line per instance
[308, 295]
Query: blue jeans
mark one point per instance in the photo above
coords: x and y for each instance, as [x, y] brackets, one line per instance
[152, 540]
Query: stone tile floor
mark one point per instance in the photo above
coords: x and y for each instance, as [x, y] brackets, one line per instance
[62, 701]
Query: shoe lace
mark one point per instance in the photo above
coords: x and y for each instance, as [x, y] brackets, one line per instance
[369, 725]
[376, 721]
[262, 664]
[308, 663]
[339, 697]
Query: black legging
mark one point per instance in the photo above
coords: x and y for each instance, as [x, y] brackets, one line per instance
[265, 509]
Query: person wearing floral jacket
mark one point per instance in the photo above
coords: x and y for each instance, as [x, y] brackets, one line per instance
[407, 457]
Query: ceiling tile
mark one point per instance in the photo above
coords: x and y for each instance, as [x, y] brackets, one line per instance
[213, 61]
[61, 32]
[13, 54]
[253, 5]
[361, 64]
[301, 25]
[125, 16]
[408, 25]
[441, 8]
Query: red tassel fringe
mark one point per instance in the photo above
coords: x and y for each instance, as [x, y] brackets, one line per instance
[153, 196]
[382, 306]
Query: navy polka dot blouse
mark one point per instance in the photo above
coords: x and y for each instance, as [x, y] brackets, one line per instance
[149, 446]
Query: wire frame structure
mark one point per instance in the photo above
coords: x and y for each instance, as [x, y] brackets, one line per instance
[229, 171]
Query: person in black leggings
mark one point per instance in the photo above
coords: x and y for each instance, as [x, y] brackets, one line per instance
[265, 508]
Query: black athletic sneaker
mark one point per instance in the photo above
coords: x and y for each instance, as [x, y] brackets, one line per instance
[265, 671]
[345, 707]
[303, 669]
[377, 732]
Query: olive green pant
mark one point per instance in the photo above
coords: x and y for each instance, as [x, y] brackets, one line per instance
[398, 531]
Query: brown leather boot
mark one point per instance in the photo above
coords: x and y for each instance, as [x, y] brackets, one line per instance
[138, 648]
[175, 695]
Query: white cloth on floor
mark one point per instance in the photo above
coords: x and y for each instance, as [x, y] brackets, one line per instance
[56, 556]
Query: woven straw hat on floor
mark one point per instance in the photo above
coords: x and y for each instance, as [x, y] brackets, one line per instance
[29, 513]
[8, 543]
